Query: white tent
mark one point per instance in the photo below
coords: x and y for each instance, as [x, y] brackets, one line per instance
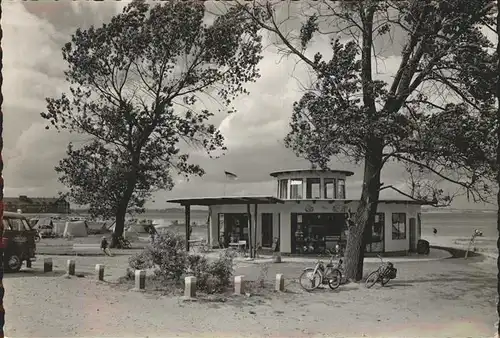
[75, 229]
[59, 227]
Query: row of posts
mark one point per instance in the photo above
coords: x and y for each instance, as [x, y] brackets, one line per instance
[140, 279]
[239, 285]
[70, 268]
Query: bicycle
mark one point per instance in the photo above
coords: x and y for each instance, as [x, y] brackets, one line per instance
[385, 272]
[325, 274]
[124, 243]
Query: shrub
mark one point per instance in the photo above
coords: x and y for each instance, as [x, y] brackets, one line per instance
[141, 261]
[169, 255]
[171, 262]
[213, 277]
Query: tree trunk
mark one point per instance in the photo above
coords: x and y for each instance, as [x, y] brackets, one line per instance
[121, 211]
[119, 227]
[364, 217]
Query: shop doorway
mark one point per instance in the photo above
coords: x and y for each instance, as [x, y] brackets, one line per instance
[267, 230]
[233, 227]
[312, 233]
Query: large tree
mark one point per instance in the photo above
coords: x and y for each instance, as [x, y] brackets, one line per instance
[137, 86]
[347, 111]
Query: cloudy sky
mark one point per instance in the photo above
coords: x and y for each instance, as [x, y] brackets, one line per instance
[34, 33]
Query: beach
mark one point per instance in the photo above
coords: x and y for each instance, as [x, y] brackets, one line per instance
[455, 229]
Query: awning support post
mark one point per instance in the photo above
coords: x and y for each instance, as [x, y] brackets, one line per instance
[249, 216]
[255, 230]
[187, 220]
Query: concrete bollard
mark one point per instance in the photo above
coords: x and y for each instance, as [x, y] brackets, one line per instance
[99, 268]
[190, 287]
[70, 267]
[239, 285]
[280, 283]
[47, 265]
[140, 279]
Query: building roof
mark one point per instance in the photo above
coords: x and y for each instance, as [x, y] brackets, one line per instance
[222, 200]
[311, 171]
[393, 201]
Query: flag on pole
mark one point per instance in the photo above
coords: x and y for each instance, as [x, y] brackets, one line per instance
[230, 175]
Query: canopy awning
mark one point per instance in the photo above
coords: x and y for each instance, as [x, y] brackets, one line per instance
[225, 200]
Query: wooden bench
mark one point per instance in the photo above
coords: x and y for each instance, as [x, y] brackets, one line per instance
[86, 248]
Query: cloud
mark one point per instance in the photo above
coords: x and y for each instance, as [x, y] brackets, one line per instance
[34, 33]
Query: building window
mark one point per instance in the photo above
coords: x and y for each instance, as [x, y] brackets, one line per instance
[313, 188]
[341, 191]
[399, 226]
[376, 241]
[283, 188]
[329, 189]
[296, 189]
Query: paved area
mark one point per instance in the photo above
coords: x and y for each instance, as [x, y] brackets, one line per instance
[444, 298]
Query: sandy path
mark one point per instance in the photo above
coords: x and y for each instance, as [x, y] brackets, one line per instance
[444, 298]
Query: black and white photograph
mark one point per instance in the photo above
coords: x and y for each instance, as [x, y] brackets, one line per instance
[259, 168]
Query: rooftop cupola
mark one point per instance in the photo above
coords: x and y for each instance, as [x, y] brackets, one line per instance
[311, 184]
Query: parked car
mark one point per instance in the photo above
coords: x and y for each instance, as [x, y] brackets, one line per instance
[19, 241]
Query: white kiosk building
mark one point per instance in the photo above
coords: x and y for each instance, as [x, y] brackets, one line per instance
[308, 214]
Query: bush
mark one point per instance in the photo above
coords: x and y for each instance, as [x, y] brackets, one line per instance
[213, 277]
[169, 255]
[171, 262]
[141, 261]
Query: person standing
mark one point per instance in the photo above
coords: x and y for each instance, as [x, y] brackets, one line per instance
[104, 246]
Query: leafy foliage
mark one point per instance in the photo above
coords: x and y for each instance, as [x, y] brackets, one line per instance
[429, 117]
[348, 112]
[171, 262]
[136, 85]
[212, 277]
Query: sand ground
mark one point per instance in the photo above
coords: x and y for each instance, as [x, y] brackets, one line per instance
[440, 298]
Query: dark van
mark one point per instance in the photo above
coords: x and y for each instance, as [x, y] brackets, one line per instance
[19, 240]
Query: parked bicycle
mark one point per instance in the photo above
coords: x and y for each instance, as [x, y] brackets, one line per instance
[385, 272]
[124, 243]
[321, 274]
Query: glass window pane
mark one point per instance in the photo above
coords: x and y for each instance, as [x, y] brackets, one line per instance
[399, 225]
[313, 188]
[26, 225]
[329, 189]
[6, 224]
[341, 190]
[296, 188]
[16, 224]
[283, 186]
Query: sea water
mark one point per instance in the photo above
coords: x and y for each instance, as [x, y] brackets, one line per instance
[459, 224]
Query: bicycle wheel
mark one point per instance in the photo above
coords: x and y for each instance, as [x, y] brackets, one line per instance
[309, 280]
[385, 279]
[334, 279]
[372, 279]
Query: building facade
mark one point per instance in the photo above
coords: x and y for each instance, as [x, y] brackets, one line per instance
[310, 213]
[35, 205]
